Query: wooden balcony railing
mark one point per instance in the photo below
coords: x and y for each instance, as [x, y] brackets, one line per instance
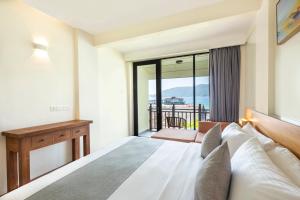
[201, 114]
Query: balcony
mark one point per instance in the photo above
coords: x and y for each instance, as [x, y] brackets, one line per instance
[180, 85]
[183, 111]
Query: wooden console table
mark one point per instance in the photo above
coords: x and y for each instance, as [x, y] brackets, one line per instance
[20, 142]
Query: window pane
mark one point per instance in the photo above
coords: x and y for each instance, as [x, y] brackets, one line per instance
[177, 89]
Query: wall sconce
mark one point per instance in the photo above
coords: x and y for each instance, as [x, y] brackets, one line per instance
[40, 48]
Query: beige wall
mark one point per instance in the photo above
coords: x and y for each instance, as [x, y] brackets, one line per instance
[145, 73]
[88, 84]
[130, 97]
[103, 95]
[287, 80]
[250, 66]
[265, 40]
[113, 95]
[275, 73]
[29, 85]
[243, 82]
[92, 83]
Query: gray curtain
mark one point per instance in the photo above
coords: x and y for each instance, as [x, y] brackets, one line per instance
[224, 72]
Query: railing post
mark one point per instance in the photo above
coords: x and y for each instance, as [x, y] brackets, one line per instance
[203, 108]
[150, 116]
[173, 110]
[199, 112]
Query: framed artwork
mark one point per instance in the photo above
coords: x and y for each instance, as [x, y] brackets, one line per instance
[288, 19]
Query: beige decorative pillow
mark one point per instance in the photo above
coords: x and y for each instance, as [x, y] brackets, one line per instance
[211, 140]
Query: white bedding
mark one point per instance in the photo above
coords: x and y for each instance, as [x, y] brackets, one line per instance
[169, 174]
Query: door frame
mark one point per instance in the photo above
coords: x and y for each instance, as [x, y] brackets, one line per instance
[157, 63]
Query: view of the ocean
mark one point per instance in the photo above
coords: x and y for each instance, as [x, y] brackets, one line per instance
[189, 100]
[199, 100]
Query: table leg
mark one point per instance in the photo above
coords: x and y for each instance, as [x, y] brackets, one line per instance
[75, 148]
[86, 144]
[24, 161]
[12, 170]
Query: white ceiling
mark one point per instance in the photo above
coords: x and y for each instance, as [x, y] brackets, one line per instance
[211, 34]
[96, 16]
[143, 29]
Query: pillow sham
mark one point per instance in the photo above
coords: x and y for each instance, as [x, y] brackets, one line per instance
[234, 136]
[236, 139]
[213, 178]
[211, 140]
[267, 143]
[229, 130]
[255, 177]
[287, 162]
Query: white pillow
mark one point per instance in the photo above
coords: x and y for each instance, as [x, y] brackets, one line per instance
[287, 162]
[267, 143]
[229, 130]
[235, 138]
[255, 177]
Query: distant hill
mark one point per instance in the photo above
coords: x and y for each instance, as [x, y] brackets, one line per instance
[201, 90]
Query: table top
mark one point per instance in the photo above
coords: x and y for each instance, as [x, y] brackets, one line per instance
[35, 130]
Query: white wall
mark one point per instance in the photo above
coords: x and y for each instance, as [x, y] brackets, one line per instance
[29, 85]
[275, 74]
[113, 95]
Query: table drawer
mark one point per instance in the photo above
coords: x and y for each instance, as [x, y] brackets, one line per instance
[41, 141]
[79, 131]
[61, 136]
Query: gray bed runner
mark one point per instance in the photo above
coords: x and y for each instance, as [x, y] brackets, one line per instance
[100, 178]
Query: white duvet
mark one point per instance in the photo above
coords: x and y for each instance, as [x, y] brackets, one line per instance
[169, 174]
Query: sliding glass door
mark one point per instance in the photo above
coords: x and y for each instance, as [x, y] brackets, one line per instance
[147, 97]
[177, 91]
[168, 90]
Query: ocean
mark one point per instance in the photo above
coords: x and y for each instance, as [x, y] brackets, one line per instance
[189, 100]
[199, 100]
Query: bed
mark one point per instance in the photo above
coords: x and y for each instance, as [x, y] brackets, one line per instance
[162, 163]
[138, 168]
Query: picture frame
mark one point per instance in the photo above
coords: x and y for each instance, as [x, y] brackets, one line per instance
[287, 19]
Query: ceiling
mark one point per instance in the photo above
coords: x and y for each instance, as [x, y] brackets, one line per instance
[144, 29]
[223, 32]
[169, 68]
[96, 16]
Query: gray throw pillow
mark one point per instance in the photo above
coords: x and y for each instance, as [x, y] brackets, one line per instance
[211, 140]
[213, 178]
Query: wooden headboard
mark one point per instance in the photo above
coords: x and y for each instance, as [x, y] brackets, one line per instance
[284, 133]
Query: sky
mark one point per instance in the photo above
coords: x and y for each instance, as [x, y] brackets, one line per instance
[176, 82]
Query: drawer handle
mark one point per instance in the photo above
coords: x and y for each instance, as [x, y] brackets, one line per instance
[78, 131]
[62, 135]
[41, 140]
